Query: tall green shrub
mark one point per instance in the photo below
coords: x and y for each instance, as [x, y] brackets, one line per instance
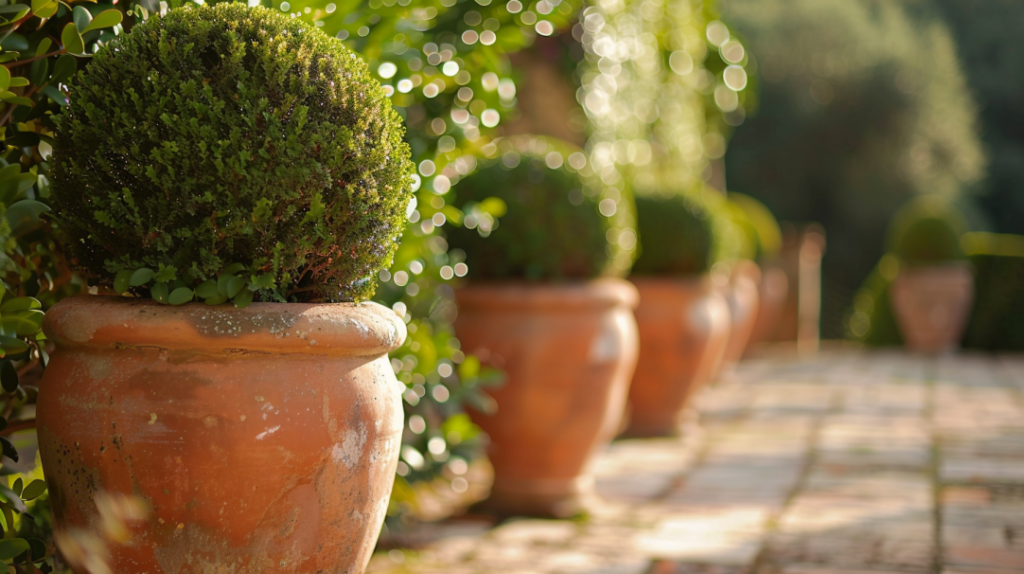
[859, 110]
[987, 36]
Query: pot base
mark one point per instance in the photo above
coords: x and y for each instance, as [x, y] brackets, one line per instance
[542, 498]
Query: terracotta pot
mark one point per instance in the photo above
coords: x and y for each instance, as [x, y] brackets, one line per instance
[569, 351]
[741, 292]
[684, 327]
[264, 439]
[931, 305]
[772, 294]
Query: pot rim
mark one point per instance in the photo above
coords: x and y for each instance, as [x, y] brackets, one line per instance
[110, 322]
[597, 293]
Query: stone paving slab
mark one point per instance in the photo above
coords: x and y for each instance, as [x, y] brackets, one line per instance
[849, 462]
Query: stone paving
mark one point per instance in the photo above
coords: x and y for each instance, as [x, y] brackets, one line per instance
[852, 462]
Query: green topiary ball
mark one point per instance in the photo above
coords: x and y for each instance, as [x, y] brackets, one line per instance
[220, 137]
[530, 214]
[684, 234]
[926, 231]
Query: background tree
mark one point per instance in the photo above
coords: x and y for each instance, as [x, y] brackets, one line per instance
[861, 107]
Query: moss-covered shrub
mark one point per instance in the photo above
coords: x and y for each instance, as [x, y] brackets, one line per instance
[224, 137]
[758, 224]
[926, 231]
[532, 213]
[681, 235]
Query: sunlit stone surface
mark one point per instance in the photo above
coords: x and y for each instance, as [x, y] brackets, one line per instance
[851, 462]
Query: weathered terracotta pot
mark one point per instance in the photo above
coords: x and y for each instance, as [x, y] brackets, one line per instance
[931, 305]
[684, 327]
[772, 294]
[741, 293]
[569, 351]
[264, 439]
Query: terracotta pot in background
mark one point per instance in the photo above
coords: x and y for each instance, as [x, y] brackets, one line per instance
[741, 292]
[931, 305]
[684, 327]
[772, 294]
[263, 439]
[569, 351]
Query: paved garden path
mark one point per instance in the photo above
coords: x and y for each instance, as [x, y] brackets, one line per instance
[852, 462]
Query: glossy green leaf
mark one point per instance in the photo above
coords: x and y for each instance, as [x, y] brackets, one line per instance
[72, 40]
[122, 281]
[21, 101]
[5, 78]
[234, 268]
[44, 46]
[63, 69]
[18, 486]
[159, 292]
[104, 19]
[207, 289]
[13, 547]
[141, 276]
[13, 182]
[19, 82]
[9, 377]
[243, 299]
[82, 17]
[234, 286]
[180, 296]
[10, 452]
[44, 8]
[38, 548]
[34, 490]
[15, 42]
[39, 71]
[215, 300]
[21, 323]
[222, 283]
[25, 213]
[20, 304]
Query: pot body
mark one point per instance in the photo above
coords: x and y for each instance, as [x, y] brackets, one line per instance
[741, 293]
[772, 294]
[684, 327]
[569, 352]
[931, 305]
[263, 439]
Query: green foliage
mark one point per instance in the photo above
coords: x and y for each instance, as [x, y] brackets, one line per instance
[680, 234]
[223, 137]
[44, 44]
[997, 318]
[987, 36]
[860, 108]
[531, 213]
[758, 225]
[660, 111]
[926, 231]
[871, 320]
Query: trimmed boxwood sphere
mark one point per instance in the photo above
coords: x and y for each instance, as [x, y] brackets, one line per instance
[531, 215]
[222, 135]
[684, 234]
[927, 231]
